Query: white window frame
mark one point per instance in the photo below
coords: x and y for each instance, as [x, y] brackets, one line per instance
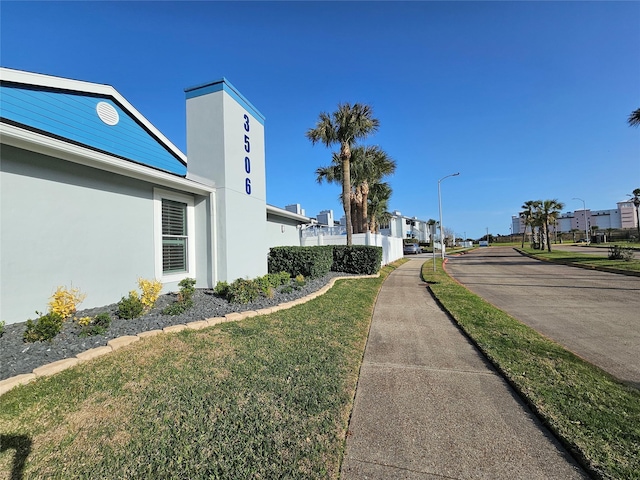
[158, 195]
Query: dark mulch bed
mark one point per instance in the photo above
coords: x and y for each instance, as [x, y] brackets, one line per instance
[18, 357]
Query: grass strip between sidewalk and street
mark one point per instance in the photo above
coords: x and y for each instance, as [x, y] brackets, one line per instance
[594, 415]
[266, 397]
[582, 259]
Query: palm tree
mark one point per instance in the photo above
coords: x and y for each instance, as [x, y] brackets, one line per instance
[344, 127]
[548, 212]
[378, 205]
[368, 166]
[527, 214]
[634, 118]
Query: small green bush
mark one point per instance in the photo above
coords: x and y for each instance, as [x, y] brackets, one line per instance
[221, 289]
[185, 297]
[131, 306]
[46, 327]
[243, 291]
[616, 252]
[284, 277]
[300, 281]
[2, 324]
[176, 308]
[97, 326]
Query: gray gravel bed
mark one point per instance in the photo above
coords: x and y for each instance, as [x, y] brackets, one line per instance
[18, 357]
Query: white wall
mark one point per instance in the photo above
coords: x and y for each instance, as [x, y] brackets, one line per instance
[281, 232]
[391, 246]
[69, 225]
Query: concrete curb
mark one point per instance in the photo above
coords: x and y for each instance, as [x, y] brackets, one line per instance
[120, 342]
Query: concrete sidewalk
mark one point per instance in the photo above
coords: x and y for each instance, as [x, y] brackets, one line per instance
[428, 406]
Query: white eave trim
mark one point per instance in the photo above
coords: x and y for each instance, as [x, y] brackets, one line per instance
[36, 142]
[37, 79]
[287, 214]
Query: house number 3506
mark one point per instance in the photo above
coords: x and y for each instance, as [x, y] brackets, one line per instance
[247, 160]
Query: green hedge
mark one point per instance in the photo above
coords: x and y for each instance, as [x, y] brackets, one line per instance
[360, 259]
[318, 261]
[307, 261]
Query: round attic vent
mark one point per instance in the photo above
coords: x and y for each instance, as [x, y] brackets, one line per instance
[107, 113]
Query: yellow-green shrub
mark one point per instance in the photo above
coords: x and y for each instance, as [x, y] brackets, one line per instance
[150, 292]
[64, 302]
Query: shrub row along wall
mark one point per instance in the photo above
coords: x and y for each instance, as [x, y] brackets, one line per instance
[317, 261]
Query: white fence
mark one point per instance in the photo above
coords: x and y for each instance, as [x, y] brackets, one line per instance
[391, 246]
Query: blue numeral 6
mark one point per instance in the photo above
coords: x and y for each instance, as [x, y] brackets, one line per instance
[247, 186]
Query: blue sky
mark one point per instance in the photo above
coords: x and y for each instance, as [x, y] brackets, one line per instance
[527, 100]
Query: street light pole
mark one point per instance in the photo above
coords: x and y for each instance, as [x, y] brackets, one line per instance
[584, 209]
[442, 247]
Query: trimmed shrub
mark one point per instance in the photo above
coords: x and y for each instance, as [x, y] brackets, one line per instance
[131, 306]
[243, 291]
[221, 289]
[358, 259]
[44, 328]
[311, 262]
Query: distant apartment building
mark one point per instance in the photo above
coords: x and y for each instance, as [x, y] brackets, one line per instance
[406, 227]
[325, 217]
[295, 208]
[623, 217]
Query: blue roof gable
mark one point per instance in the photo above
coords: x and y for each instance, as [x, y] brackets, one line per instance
[96, 121]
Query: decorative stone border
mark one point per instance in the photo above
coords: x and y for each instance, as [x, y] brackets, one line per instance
[117, 343]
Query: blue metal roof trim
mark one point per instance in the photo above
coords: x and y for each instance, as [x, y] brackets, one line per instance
[225, 85]
[73, 116]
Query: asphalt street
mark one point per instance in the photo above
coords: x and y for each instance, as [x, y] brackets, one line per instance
[594, 314]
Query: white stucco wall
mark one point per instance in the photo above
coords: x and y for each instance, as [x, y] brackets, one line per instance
[281, 232]
[65, 224]
[225, 148]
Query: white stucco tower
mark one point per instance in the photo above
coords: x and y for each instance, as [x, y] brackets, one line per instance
[225, 149]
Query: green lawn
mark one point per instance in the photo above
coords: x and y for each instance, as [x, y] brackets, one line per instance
[583, 259]
[267, 397]
[596, 416]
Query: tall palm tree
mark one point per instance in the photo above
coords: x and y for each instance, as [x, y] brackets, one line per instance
[344, 127]
[369, 164]
[527, 214]
[548, 212]
[634, 118]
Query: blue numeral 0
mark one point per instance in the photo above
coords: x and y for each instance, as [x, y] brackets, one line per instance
[247, 165]
[246, 123]
[247, 186]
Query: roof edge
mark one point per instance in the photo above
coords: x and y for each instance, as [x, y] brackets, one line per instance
[49, 81]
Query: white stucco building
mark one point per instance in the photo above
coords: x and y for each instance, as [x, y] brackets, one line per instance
[93, 196]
